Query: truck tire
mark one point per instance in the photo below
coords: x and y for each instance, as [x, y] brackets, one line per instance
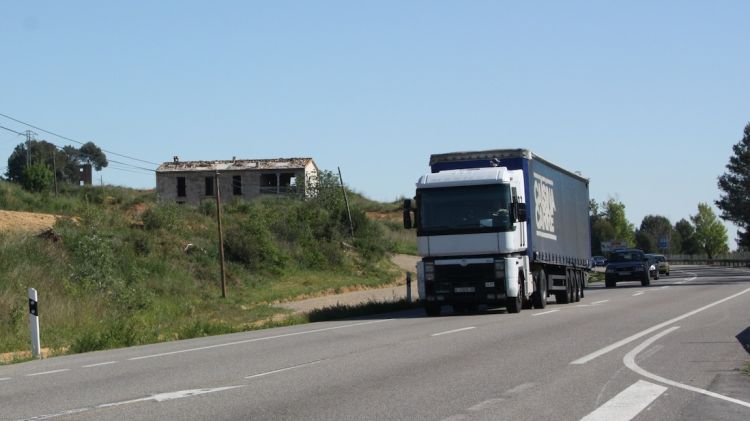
[577, 289]
[515, 304]
[539, 297]
[583, 282]
[432, 310]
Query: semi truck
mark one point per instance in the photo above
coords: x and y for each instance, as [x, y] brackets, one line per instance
[501, 228]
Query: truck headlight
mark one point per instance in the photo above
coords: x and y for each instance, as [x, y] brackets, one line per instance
[499, 269]
[429, 271]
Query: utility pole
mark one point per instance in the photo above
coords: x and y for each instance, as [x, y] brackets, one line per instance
[221, 236]
[346, 200]
[29, 137]
[54, 170]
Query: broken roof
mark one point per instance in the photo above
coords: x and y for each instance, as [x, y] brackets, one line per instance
[236, 164]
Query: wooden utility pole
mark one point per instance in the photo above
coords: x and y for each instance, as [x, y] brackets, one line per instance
[54, 170]
[346, 200]
[221, 236]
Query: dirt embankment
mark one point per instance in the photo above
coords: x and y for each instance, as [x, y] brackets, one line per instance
[26, 221]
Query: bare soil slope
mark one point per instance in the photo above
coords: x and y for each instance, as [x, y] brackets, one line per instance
[26, 221]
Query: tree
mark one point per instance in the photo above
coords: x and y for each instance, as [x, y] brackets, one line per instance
[37, 178]
[66, 161]
[653, 229]
[614, 211]
[645, 241]
[734, 203]
[710, 233]
[688, 243]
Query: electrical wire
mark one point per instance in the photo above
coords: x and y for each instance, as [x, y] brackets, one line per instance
[75, 141]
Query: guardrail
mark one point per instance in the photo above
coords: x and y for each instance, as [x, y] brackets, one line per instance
[734, 263]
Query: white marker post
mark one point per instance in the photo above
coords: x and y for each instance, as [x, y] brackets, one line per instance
[34, 323]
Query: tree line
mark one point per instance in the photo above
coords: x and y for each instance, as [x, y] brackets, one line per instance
[37, 164]
[702, 233]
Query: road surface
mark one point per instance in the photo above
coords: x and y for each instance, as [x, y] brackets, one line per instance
[671, 351]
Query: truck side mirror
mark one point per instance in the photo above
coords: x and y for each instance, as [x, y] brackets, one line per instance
[521, 212]
[407, 214]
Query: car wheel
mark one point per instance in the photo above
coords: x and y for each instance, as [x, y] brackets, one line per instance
[646, 281]
[432, 310]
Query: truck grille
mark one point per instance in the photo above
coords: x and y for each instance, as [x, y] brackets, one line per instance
[470, 273]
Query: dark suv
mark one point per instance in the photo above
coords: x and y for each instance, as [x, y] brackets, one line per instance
[628, 265]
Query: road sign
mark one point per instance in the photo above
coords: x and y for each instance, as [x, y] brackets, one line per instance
[663, 243]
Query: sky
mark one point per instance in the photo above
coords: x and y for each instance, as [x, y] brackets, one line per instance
[645, 98]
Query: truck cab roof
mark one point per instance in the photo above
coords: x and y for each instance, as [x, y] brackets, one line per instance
[465, 177]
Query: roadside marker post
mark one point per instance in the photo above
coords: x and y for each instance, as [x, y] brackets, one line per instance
[408, 287]
[34, 323]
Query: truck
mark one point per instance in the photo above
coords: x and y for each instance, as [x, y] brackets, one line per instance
[501, 228]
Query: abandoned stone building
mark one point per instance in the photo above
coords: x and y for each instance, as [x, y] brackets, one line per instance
[193, 181]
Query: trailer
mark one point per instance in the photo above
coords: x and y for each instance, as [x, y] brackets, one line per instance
[499, 228]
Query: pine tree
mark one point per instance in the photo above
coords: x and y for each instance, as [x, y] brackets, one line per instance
[735, 183]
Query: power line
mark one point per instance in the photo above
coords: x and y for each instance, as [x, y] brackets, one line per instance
[11, 130]
[75, 141]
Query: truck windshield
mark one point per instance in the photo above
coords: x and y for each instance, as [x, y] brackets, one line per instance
[483, 208]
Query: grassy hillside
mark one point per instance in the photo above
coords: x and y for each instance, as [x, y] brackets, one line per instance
[127, 270]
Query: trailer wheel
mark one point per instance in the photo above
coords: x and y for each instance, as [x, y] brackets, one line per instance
[432, 310]
[539, 297]
[577, 287]
[583, 282]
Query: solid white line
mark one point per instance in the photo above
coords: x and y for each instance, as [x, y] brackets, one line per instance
[99, 364]
[286, 335]
[453, 331]
[544, 312]
[48, 372]
[4, 378]
[599, 302]
[629, 361]
[283, 369]
[627, 404]
[599, 353]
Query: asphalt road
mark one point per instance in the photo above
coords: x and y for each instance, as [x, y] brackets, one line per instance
[671, 351]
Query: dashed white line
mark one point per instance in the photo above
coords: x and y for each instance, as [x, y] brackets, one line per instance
[48, 372]
[282, 369]
[545, 312]
[598, 302]
[629, 361]
[453, 331]
[99, 364]
[612, 347]
[627, 404]
[247, 341]
[639, 293]
[4, 378]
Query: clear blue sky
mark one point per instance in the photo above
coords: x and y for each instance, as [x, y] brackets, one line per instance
[645, 98]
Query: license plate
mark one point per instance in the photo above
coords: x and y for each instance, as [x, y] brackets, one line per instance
[624, 273]
[464, 289]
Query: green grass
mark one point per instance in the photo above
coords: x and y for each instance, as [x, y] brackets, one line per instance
[747, 368]
[129, 270]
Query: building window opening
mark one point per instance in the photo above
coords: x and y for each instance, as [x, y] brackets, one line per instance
[181, 187]
[285, 181]
[237, 185]
[268, 183]
[209, 186]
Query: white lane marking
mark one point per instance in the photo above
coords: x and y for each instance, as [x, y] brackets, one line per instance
[612, 347]
[453, 331]
[99, 364]
[2, 379]
[246, 341]
[665, 287]
[629, 361]
[283, 369]
[627, 404]
[544, 312]
[160, 397]
[599, 302]
[48, 372]
[639, 293]
[481, 406]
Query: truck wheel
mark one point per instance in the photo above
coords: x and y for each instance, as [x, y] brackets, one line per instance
[432, 310]
[583, 282]
[577, 288]
[539, 297]
[513, 304]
